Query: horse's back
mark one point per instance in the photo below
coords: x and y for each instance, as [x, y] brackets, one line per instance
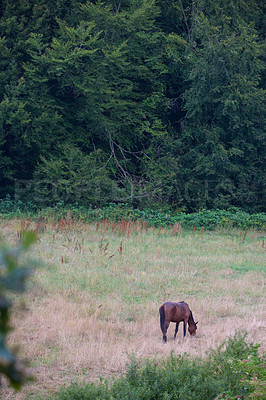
[176, 312]
[184, 309]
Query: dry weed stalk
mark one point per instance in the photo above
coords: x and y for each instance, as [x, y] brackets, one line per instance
[67, 224]
[120, 250]
[144, 226]
[103, 248]
[74, 244]
[177, 229]
[26, 225]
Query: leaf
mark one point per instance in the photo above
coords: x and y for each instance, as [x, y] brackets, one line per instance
[5, 354]
[15, 280]
[29, 238]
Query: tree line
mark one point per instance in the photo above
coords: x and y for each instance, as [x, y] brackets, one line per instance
[151, 102]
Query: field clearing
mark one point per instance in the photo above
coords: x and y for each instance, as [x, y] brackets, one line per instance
[95, 301]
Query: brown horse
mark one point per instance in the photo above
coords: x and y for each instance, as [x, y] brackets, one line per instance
[176, 312]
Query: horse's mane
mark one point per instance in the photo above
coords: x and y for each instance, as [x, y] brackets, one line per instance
[191, 318]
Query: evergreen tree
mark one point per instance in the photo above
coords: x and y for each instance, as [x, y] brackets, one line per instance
[225, 105]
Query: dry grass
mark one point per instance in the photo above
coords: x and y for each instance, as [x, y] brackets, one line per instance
[96, 301]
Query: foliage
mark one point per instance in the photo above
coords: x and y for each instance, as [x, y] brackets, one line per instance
[14, 272]
[11, 207]
[232, 371]
[169, 94]
[207, 219]
[71, 176]
[225, 104]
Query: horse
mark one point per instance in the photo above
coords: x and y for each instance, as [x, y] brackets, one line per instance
[176, 312]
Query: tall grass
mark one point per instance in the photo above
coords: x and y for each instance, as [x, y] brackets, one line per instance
[96, 301]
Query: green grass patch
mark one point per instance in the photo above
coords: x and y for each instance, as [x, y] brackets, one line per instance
[242, 269]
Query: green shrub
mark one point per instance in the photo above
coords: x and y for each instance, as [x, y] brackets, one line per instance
[16, 208]
[207, 219]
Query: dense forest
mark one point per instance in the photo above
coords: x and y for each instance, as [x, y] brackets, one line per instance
[154, 103]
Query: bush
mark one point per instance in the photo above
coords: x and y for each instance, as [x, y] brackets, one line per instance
[207, 219]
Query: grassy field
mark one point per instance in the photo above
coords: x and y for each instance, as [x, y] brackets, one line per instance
[96, 300]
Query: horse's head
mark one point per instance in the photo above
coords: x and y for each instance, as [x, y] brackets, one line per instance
[192, 329]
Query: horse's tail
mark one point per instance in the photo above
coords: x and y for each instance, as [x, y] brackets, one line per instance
[162, 318]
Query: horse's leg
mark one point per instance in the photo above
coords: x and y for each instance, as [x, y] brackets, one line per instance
[185, 327]
[164, 322]
[166, 325]
[176, 329]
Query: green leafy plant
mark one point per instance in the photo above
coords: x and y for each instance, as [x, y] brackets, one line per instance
[207, 219]
[14, 271]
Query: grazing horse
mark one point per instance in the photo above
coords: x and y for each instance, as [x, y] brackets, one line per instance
[176, 312]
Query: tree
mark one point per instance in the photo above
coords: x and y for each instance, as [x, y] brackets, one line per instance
[225, 105]
[71, 176]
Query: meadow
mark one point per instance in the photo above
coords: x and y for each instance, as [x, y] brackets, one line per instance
[93, 303]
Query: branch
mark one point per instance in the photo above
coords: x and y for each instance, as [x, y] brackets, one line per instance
[121, 169]
[185, 19]
[117, 6]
